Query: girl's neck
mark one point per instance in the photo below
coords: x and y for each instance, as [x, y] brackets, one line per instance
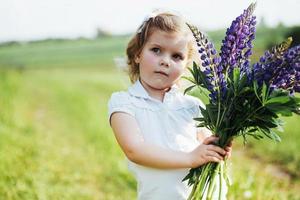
[153, 92]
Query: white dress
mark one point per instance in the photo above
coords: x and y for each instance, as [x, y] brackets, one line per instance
[168, 124]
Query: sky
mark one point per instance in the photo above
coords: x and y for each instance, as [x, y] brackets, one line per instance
[23, 20]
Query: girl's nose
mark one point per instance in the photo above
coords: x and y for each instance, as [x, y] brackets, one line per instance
[165, 62]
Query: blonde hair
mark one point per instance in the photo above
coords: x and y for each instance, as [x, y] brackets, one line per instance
[167, 22]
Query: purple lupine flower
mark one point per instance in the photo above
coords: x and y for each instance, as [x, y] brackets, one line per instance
[288, 75]
[263, 70]
[236, 47]
[271, 64]
[211, 64]
[207, 64]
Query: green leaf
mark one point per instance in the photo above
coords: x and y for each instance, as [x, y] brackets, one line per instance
[271, 134]
[264, 93]
[256, 136]
[245, 141]
[274, 136]
[190, 79]
[236, 78]
[189, 89]
[280, 100]
[252, 130]
[188, 176]
[242, 83]
[255, 87]
[282, 109]
[212, 113]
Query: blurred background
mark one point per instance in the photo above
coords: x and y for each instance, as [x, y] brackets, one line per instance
[60, 61]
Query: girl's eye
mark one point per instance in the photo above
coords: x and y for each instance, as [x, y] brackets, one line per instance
[177, 57]
[155, 50]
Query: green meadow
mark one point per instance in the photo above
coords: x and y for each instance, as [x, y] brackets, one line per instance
[56, 143]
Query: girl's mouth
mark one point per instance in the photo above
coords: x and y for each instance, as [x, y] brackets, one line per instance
[162, 73]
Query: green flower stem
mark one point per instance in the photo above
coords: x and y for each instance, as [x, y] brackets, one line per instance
[221, 179]
[199, 184]
[193, 190]
[213, 182]
[202, 182]
[207, 182]
[219, 110]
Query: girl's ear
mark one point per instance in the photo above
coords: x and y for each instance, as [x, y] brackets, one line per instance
[137, 59]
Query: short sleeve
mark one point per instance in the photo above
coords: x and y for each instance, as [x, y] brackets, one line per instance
[120, 102]
[197, 103]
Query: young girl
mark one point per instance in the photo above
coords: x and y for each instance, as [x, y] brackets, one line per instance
[153, 121]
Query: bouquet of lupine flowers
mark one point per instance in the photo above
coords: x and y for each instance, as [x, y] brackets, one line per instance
[244, 99]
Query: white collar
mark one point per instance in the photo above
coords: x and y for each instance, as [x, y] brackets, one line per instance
[138, 90]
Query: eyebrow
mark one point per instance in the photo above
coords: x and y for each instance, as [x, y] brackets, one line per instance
[154, 44]
[178, 52]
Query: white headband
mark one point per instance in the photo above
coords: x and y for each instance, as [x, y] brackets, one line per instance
[154, 14]
[147, 18]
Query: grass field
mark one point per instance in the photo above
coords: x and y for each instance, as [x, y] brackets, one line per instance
[56, 143]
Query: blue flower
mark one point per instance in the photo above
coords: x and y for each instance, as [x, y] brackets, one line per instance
[288, 75]
[236, 47]
[279, 68]
[211, 64]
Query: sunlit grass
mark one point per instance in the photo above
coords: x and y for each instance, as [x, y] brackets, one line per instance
[60, 145]
[56, 142]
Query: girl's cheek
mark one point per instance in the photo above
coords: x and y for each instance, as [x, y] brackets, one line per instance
[150, 55]
[179, 72]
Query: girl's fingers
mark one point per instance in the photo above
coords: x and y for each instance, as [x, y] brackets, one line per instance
[213, 159]
[210, 140]
[229, 144]
[214, 154]
[228, 148]
[216, 149]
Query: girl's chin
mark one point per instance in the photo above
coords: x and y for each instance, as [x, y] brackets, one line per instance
[160, 85]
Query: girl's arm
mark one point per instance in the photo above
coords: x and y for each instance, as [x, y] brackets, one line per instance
[128, 135]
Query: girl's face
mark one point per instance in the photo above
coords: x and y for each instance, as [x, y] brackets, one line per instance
[163, 59]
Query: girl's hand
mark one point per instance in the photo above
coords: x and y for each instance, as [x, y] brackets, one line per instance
[207, 152]
[228, 149]
[203, 133]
